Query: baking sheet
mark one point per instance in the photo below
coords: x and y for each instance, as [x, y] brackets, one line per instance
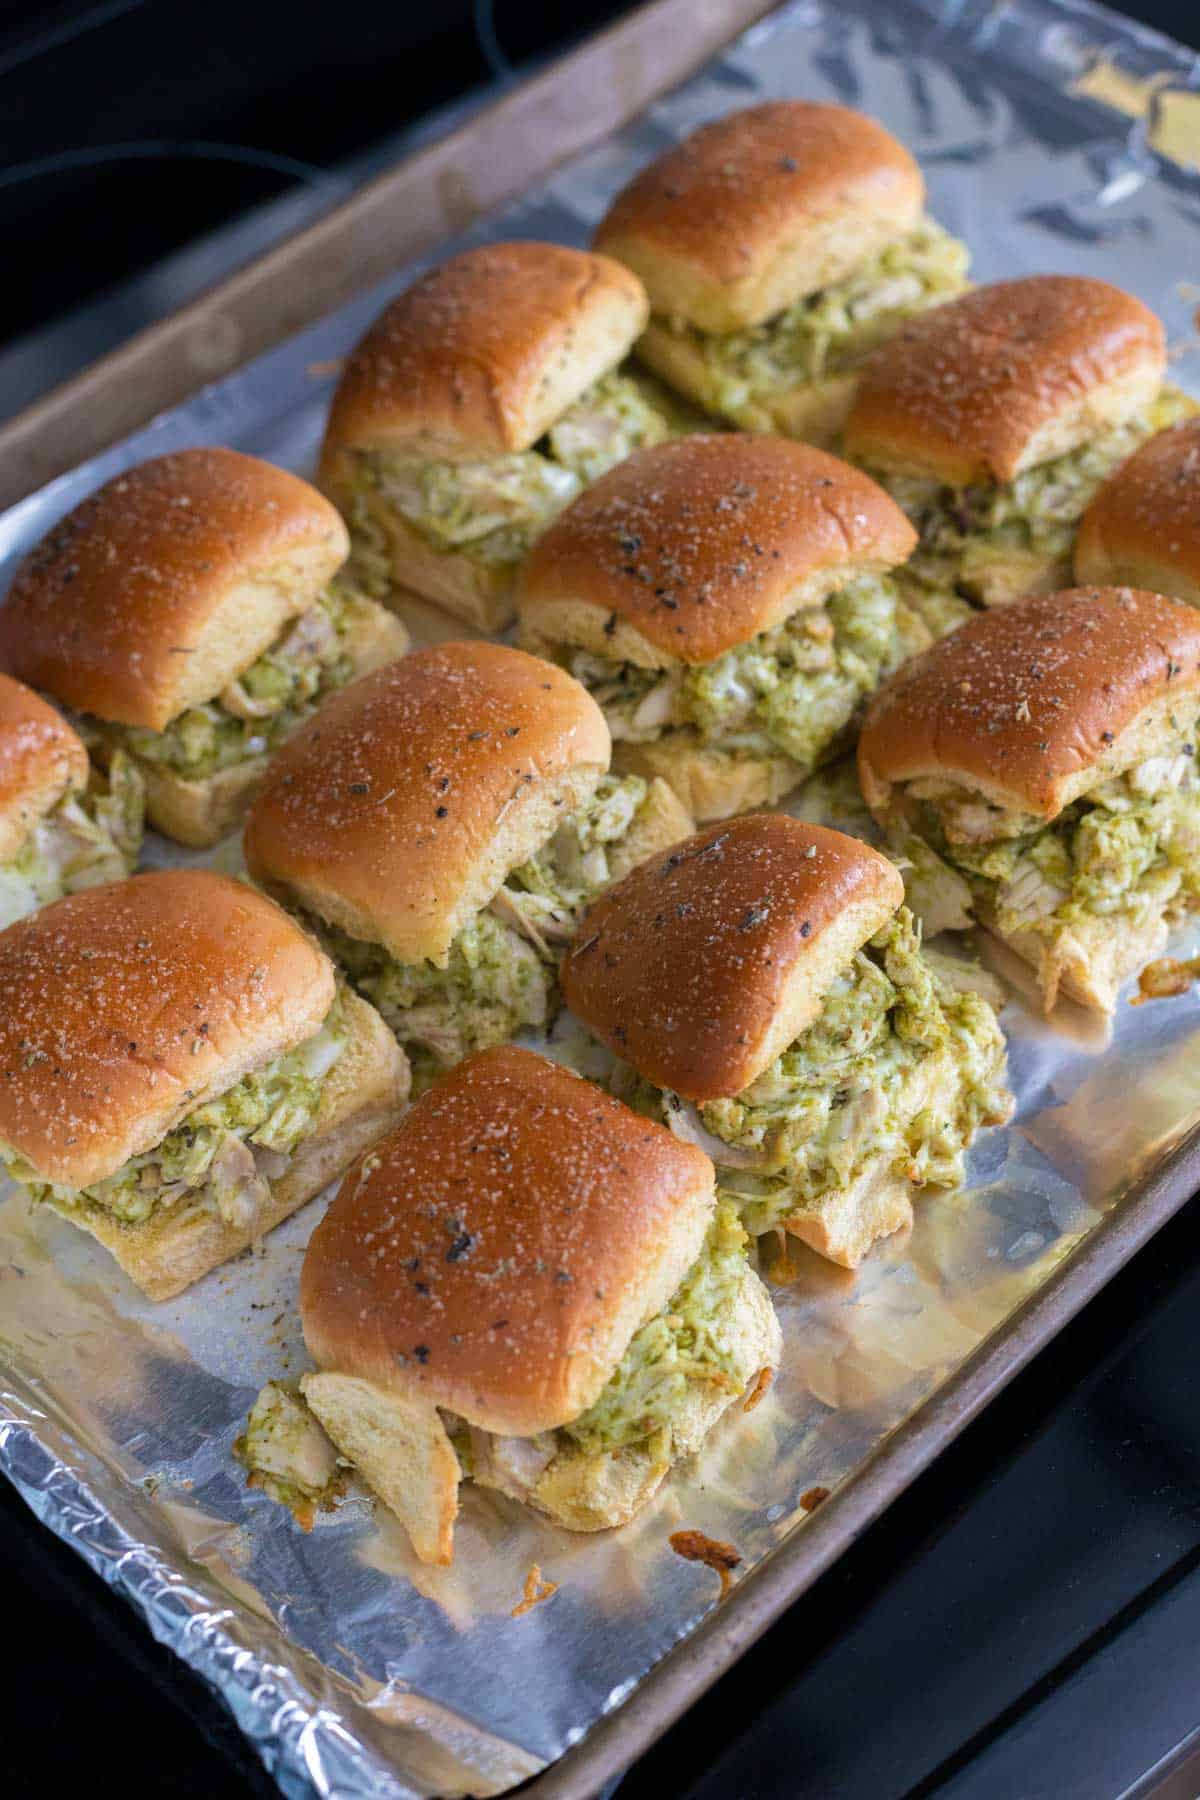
[353, 1670]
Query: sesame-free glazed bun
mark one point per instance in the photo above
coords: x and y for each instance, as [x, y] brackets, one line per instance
[482, 354]
[125, 1007]
[397, 812]
[1006, 377]
[41, 759]
[689, 548]
[1034, 704]
[1143, 527]
[700, 967]
[495, 1254]
[166, 583]
[760, 208]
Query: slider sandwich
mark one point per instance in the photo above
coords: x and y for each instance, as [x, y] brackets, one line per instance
[63, 826]
[994, 420]
[441, 826]
[765, 993]
[1039, 767]
[1143, 527]
[485, 397]
[529, 1285]
[190, 614]
[730, 602]
[181, 1069]
[779, 246]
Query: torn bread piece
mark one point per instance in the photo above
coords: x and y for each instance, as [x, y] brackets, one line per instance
[1043, 759]
[530, 1285]
[441, 826]
[483, 399]
[184, 1070]
[995, 419]
[64, 826]
[766, 994]
[730, 602]
[191, 614]
[779, 245]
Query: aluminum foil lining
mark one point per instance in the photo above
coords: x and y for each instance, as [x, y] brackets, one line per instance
[1054, 136]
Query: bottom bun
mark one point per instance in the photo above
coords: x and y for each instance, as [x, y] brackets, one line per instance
[661, 821]
[710, 784]
[363, 1096]
[200, 813]
[479, 593]
[814, 411]
[1091, 963]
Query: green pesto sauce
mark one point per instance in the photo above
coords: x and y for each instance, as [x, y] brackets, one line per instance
[499, 977]
[831, 331]
[687, 1343]
[1131, 845]
[493, 509]
[792, 691]
[832, 1100]
[285, 686]
[966, 531]
[272, 1108]
[84, 840]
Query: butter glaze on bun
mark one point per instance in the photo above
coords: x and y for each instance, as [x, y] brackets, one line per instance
[495, 1254]
[700, 967]
[761, 207]
[1005, 377]
[167, 582]
[1034, 704]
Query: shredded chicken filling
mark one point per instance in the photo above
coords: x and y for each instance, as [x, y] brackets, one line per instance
[84, 840]
[223, 1156]
[793, 691]
[1129, 849]
[831, 331]
[499, 976]
[264, 705]
[966, 532]
[836, 1097]
[492, 510]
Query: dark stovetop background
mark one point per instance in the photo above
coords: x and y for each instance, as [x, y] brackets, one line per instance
[1023, 1622]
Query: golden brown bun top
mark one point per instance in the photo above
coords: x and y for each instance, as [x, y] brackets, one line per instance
[397, 812]
[41, 758]
[166, 582]
[498, 1250]
[725, 229]
[1143, 527]
[124, 1007]
[701, 966]
[482, 354]
[699, 544]
[1004, 377]
[1023, 703]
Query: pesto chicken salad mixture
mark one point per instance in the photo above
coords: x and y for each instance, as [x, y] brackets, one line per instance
[828, 332]
[264, 705]
[966, 533]
[221, 1157]
[500, 973]
[691, 1348]
[839, 1096]
[493, 509]
[84, 840]
[789, 692]
[1128, 851]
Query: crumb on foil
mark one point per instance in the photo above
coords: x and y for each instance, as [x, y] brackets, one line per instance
[536, 1590]
[695, 1546]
